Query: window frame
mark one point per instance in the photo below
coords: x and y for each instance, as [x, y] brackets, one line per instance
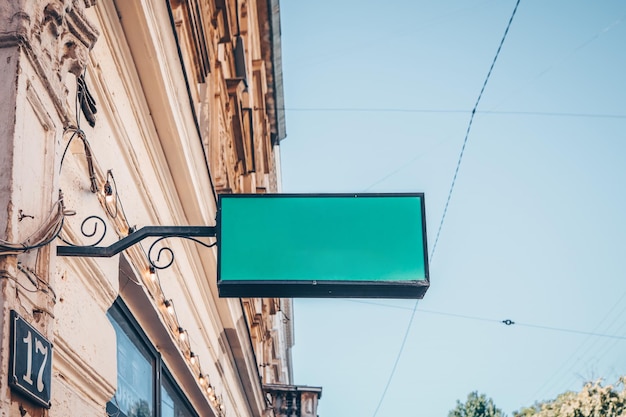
[121, 314]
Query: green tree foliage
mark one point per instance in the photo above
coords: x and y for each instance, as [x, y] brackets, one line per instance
[476, 406]
[594, 400]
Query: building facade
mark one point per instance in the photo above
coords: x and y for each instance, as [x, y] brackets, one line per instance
[116, 115]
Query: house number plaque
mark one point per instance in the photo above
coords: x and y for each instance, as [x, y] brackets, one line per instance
[30, 370]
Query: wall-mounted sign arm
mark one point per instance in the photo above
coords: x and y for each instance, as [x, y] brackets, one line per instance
[187, 232]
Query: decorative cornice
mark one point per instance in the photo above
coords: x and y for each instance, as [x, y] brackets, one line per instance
[55, 35]
[72, 368]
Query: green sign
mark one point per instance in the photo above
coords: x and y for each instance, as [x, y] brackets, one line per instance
[324, 245]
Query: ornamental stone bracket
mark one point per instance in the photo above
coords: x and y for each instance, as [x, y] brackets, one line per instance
[55, 35]
[291, 400]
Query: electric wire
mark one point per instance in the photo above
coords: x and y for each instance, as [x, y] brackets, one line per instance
[582, 350]
[111, 190]
[78, 102]
[582, 332]
[482, 90]
[455, 111]
[367, 46]
[611, 370]
[469, 128]
[34, 280]
[507, 322]
[119, 203]
[568, 365]
[112, 214]
[592, 357]
[564, 58]
[75, 131]
[609, 345]
[119, 210]
[401, 167]
[37, 281]
[397, 360]
[481, 112]
[5, 275]
[44, 235]
[566, 376]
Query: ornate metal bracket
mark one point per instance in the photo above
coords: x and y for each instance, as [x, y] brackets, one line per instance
[162, 232]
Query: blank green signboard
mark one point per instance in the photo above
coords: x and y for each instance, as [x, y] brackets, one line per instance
[323, 245]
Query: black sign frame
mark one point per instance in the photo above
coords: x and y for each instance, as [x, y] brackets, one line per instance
[30, 368]
[414, 289]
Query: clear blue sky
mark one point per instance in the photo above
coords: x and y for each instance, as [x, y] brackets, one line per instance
[378, 98]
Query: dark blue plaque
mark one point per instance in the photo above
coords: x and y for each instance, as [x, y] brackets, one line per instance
[30, 370]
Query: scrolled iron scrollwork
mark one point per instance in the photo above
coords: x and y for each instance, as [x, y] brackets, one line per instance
[90, 234]
[170, 253]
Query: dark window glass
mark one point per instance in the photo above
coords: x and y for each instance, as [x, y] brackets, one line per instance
[139, 371]
[135, 376]
[172, 404]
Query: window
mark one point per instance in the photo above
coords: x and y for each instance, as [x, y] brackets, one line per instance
[171, 402]
[139, 371]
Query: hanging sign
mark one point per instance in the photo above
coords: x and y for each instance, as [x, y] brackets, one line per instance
[322, 245]
[30, 365]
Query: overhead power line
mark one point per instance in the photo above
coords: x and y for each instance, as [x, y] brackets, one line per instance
[469, 128]
[507, 322]
[584, 349]
[395, 363]
[454, 111]
[443, 217]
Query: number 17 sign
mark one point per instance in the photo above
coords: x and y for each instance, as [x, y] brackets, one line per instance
[31, 361]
